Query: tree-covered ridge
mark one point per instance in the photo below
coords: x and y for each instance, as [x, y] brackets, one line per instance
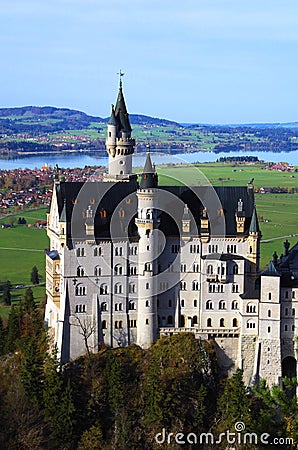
[49, 129]
[128, 398]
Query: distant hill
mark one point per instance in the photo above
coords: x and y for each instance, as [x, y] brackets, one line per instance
[50, 118]
[49, 129]
[65, 118]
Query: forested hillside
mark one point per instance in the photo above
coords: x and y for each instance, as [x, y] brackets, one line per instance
[128, 398]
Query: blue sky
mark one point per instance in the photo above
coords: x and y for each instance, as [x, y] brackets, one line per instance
[207, 61]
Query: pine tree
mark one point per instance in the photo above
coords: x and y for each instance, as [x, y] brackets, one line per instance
[234, 403]
[31, 373]
[28, 303]
[58, 402]
[13, 330]
[6, 296]
[34, 275]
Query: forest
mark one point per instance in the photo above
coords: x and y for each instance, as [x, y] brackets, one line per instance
[129, 398]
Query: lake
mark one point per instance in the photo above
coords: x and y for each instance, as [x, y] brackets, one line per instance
[72, 160]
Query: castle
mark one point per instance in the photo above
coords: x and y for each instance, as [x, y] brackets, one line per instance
[131, 260]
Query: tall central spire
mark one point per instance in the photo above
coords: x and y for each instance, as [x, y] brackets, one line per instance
[119, 143]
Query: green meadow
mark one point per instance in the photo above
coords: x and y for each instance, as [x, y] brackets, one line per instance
[21, 248]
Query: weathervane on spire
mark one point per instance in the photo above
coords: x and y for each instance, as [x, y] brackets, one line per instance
[148, 146]
[121, 74]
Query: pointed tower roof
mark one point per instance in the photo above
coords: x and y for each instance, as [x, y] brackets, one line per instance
[254, 224]
[63, 212]
[121, 113]
[149, 177]
[186, 215]
[148, 167]
[271, 270]
[112, 120]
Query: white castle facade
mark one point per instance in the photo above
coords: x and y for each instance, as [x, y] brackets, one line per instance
[130, 261]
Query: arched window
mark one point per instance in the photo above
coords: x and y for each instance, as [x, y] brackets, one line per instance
[195, 285]
[182, 303]
[131, 305]
[235, 269]
[118, 269]
[222, 304]
[147, 303]
[250, 324]
[97, 271]
[251, 308]
[104, 306]
[209, 304]
[235, 323]
[118, 288]
[195, 303]
[269, 312]
[222, 322]
[80, 290]
[234, 304]
[209, 322]
[80, 271]
[196, 267]
[132, 288]
[103, 289]
[120, 324]
[195, 320]
[104, 324]
[269, 295]
[170, 320]
[97, 251]
[210, 269]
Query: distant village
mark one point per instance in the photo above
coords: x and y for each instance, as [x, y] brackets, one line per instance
[27, 188]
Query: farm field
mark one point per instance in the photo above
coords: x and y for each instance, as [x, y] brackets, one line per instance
[225, 175]
[21, 248]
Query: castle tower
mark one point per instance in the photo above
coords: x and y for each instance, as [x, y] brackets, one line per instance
[269, 326]
[147, 223]
[253, 243]
[240, 217]
[119, 143]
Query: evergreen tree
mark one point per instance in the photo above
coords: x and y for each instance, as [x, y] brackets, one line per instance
[6, 296]
[234, 403]
[13, 330]
[31, 373]
[58, 402]
[34, 275]
[28, 303]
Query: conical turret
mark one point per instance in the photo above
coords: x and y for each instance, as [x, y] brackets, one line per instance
[119, 144]
[149, 178]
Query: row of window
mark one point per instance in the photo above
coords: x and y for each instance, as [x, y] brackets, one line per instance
[195, 286]
[219, 288]
[118, 324]
[221, 305]
[221, 270]
[118, 251]
[222, 322]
